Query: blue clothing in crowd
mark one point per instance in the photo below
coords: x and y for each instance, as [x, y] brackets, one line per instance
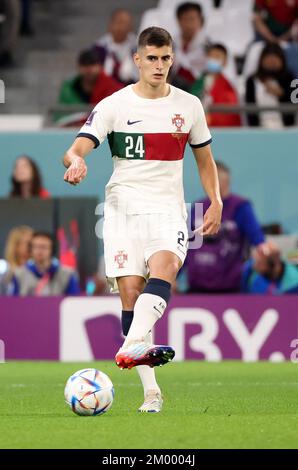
[58, 280]
[256, 283]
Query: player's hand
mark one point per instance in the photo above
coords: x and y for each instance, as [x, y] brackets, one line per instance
[76, 172]
[212, 218]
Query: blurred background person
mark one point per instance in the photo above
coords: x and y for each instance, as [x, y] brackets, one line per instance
[17, 247]
[269, 86]
[267, 273]
[189, 45]
[274, 19]
[216, 267]
[275, 22]
[89, 86]
[97, 284]
[26, 18]
[10, 9]
[212, 87]
[116, 47]
[26, 180]
[16, 254]
[43, 275]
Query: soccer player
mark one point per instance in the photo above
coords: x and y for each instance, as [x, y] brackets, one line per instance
[148, 125]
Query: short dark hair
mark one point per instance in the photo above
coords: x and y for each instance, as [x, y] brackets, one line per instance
[218, 46]
[222, 166]
[155, 36]
[188, 6]
[40, 233]
[88, 57]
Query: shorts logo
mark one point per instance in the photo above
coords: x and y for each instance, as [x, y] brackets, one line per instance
[120, 258]
[178, 121]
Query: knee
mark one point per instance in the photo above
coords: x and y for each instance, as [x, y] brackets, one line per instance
[167, 273]
[130, 298]
[173, 270]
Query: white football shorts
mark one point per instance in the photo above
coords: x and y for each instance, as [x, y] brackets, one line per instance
[130, 240]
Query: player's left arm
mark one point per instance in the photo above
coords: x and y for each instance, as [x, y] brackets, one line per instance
[209, 178]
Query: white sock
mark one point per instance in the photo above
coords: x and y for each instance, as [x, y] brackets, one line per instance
[147, 310]
[147, 374]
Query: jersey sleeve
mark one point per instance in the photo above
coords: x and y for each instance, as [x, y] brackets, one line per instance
[199, 135]
[99, 122]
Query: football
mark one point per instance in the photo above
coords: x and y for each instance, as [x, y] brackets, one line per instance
[89, 392]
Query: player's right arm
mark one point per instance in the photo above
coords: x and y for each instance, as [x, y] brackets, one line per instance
[74, 160]
[98, 125]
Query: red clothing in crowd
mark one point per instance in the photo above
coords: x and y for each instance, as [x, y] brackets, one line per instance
[44, 194]
[104, 87]
[222, 92]
[284, 11]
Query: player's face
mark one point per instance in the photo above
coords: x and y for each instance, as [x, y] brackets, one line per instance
[154, 64]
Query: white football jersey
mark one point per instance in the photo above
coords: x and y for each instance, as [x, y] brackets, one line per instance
[147, 139]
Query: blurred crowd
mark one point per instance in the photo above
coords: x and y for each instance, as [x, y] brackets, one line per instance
[15, 21]
[238, 259]
[216, 59]
[207, 62]
[227, 52]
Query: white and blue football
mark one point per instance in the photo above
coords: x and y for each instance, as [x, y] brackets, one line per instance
[89, 392]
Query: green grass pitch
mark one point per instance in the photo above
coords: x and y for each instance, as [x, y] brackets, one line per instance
[207, 405]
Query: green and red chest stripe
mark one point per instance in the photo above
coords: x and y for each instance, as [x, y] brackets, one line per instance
[149, 146]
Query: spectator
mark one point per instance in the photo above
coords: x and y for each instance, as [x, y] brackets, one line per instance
[216, 267]
[10, 9]
[91, 84]
[16, 254]
[43, 275]
[269, 86]
[17, 247]
[4, 283]
[97, 284]
[26, 180]
[26, 18]
[267, 273]
[190, 45]
[274, 20]
[117, 46]
[212, 87]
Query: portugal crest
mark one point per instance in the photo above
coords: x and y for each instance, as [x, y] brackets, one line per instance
[120, 258]
[178, 121]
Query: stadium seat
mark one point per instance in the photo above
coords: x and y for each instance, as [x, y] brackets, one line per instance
[252, 59]
[232, 22]
[161, 18]
[173, 4]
